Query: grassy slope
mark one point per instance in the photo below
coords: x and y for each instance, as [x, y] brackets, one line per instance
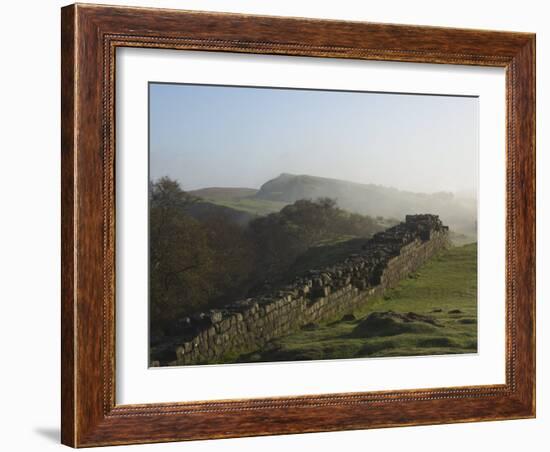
[250, 205]
[327, 253]
[447, 282]
[224, 192]
[239, 199]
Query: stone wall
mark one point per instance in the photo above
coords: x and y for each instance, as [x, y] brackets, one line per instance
[320, 295]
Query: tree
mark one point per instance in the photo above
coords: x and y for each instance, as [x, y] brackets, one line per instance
[194, 265]
[179, 254]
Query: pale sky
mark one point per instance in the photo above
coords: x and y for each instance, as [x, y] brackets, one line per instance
[218, 136]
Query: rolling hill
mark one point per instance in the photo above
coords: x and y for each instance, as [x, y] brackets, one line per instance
[239, 199]
[224, 193]
[366, 199]
[203, 210]
[373, 200]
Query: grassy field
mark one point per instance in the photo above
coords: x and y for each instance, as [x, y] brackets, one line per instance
[253, 206]
[434, 311]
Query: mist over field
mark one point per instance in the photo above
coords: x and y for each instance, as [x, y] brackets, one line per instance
[459, 213]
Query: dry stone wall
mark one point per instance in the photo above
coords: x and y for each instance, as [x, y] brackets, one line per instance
[320, 295]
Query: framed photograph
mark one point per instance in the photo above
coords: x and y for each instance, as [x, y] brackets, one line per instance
[281, 225]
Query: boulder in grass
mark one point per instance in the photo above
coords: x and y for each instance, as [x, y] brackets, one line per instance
[391, 323]
[348, 318]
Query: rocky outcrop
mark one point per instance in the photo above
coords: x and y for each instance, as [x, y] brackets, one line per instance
[318, 296]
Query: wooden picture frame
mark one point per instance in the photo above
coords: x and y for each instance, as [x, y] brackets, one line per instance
[90, 36]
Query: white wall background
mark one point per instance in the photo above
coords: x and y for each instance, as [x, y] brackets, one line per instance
[29, 225]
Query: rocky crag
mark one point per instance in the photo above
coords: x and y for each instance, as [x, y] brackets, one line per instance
[319, 295]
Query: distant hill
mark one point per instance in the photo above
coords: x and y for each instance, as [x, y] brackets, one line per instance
[203, 210]
[224, 193]
[373, 200]
[243, 204]
[240, 199]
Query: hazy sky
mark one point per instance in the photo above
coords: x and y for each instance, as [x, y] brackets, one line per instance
[215, 136]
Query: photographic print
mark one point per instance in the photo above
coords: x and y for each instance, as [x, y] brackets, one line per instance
[298, 224]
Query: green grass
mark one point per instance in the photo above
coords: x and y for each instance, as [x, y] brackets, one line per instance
[253, 206]
[460, 239]
[444, 291]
